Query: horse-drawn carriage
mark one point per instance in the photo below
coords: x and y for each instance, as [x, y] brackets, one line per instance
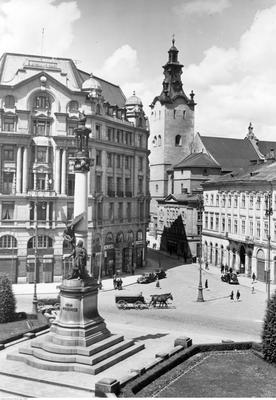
[138, 301]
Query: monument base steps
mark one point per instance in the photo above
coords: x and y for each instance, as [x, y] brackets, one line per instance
[109, 359]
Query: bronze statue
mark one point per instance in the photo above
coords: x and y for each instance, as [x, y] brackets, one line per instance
[79, 255]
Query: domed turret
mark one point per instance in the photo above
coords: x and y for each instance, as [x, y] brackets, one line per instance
[92, 86]
[134, 101]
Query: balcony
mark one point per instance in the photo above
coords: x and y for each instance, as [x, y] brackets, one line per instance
[120, 193]
[110, 193]
[128, 194]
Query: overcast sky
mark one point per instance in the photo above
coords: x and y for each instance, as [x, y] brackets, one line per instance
[228, 48]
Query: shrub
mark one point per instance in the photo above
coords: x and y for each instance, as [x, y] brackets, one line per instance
[269, 331]
[7, 300]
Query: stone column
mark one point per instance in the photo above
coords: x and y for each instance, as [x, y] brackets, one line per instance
[57, 170]
[25, 170]
[19, 170]
[63, 172]
[238, 262]
[81, 204]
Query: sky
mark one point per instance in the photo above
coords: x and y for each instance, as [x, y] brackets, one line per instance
[227, 48]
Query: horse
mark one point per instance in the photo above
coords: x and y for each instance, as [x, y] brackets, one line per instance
[161, 299]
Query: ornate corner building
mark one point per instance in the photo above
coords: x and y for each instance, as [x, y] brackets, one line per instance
[41, 100]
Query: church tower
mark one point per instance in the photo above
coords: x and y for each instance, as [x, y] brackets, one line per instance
[171, 130]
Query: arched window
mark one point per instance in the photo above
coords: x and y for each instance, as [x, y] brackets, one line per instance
[120, 237]
[109, 238]
[43, 242]
[9, 101]
[8, 242]
[73, 106]
[178, 140]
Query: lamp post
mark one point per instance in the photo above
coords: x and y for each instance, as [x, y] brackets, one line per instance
[200, 208]
[268, 213]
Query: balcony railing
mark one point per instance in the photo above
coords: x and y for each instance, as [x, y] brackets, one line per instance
[120, 193]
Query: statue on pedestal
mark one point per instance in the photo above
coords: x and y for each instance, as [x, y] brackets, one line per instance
[79, 255]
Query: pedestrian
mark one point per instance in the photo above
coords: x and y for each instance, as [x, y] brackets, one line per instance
[238, 295]
[206, 265]
[222, 268]
[253, 277]
[252, 288]
[232, 295]
[206, 284]
[119, 284]
[115, 281]
[157, 283]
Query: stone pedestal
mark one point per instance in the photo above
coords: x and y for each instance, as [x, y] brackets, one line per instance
[78, 339]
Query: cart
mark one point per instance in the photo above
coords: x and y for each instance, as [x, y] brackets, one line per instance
[131, 301]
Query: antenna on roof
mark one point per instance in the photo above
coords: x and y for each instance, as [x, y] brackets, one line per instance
[42, 41]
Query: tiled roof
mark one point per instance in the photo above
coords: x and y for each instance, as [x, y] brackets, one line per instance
[266, 146]
[230, 153]
[265, 173]
[200, 160]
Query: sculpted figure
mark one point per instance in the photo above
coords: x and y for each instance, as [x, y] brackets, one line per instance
[79, 255]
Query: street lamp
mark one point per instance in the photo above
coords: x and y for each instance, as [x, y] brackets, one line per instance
[200, 208]
[268, 213]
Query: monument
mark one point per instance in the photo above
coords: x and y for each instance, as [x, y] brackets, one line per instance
[78, 339]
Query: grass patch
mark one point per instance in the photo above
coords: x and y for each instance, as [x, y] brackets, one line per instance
[14, 330]
[238, 373]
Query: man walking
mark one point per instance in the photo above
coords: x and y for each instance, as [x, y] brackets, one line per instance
[238, 295]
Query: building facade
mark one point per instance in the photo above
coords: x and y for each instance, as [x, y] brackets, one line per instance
[239, 221]
[41, 99]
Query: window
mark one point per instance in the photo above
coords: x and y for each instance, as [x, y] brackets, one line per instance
[258, 202]
[235, 201]
[40, 181]
[41, 154]
[8, 153]
[98, 158]
[217, 223]
[141, 210]
[71, 185]
[140, 142]
[156, 188]
[9, 101]
[118, 136]
[217, 200]
[8, 124]
[118, 161]
[98, 183]
[111, 212]
[229, 224]
[120, 187]
[120, 212]
[206, 199]
[98, 132]
[258, 229]
[7, 211]
[41, 242]
[140, 164]
[41, 211]
[178, 141]
[265, 230]
[229, 200]
[71, 126]
[73, 106]
[8, 242]
[42, 101]
[129, 212]
[242, 201]
[128, 187]
[223, 224]
[243, 226]
[41, 127]
[211, 222]
[235, 226]
[251, 227]
[70, 211]
[140, 184]
[223, 201]
[127, 162]
[206, 221]
[99, 212]
[109, 160]
[110, 134]
[212, 199]
[7, 182]
[251, 201]
[199, 216]
[110, 186]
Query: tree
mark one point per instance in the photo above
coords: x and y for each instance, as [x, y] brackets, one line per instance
[7, 300]
[269, 331]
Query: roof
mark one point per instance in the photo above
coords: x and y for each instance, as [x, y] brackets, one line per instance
[200, 160]
[265, 172]
[230, 153]
[111, 93]
[16, 68]
[266, 146]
